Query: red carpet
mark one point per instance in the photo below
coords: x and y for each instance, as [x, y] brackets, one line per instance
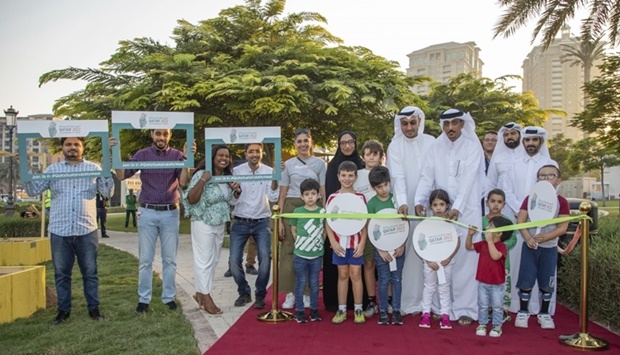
[250, 336]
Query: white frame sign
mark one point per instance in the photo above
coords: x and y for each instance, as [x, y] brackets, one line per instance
[244, 135]
[61, 129]
[152, 120]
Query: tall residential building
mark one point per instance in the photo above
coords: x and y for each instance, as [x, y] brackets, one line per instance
[557, 85]
[444, 61]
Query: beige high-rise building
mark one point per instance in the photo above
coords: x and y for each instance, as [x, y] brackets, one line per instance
[444, 61]
[557, 85]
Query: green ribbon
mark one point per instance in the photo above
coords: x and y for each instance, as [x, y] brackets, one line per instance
[512, 227]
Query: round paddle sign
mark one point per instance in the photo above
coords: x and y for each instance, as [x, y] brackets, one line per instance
[435, 240]
[362, 185]
[542, 202]
[388, 234]
[346, 203]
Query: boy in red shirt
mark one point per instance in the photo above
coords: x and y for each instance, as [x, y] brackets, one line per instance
[491, 275]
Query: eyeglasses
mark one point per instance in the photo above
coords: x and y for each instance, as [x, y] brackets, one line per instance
[302, 131]
[346, 143]
[547, 176]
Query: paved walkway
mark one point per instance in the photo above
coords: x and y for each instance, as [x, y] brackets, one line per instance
[207, 328]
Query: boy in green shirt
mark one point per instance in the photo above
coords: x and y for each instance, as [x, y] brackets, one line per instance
[379, 178]
[308, 251]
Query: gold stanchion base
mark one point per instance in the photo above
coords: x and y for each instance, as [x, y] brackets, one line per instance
[275, 316]
[584, 341]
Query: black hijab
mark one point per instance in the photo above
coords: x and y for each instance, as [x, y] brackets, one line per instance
[331, 177]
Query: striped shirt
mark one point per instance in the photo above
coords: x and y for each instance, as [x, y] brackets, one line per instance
[73, 211]
[159, 186]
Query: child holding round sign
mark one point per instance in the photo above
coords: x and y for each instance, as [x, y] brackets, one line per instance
[348, 248]
[491, 274]
[391, 236]
[539, 254]
[372, 154]
[439, 202]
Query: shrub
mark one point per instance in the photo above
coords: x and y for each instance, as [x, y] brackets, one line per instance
[17, 227]
[604, 285]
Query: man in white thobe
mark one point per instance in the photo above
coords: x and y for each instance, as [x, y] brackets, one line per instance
[517, 183]
[455, 163]
[404, 160]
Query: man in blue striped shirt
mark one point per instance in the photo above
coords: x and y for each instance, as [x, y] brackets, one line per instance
[73, 224]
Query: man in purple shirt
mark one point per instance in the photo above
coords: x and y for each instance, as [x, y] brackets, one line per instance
[159, 199]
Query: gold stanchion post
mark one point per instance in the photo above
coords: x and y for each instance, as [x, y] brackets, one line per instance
[275, 315]
[583, 340]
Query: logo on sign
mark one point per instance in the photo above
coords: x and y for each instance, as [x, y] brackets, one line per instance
[440, 238]
[73, 129]
[142, 120]
[422, 243]
[52, 129]
[376, 232]
[248, 135]
[233, 135]
[158, 121]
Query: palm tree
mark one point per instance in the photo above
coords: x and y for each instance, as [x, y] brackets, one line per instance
[583, 51]
[552, 15]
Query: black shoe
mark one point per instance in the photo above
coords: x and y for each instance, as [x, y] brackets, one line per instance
[397, 318]
[142, 308]
[94, 314]
[383, 318]
[300, 317]
[228, 273]
[314, 315]
[260, 302]
[105, 236]
[251, 270]
[243, 300]
[172, 305]
[61, 317]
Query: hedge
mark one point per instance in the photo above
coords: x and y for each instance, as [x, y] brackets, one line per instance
[17, 227]
[604, 283]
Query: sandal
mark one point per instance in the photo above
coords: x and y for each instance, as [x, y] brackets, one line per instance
[465, 321]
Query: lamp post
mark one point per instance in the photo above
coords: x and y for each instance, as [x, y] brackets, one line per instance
[11, 122]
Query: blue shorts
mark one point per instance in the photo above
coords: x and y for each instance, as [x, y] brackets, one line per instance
[538, 265]
[347, 259]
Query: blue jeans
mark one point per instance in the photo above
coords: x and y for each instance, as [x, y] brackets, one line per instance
[307, 271]
[64, 252]
[386, 277]
[152, 224]
[240, 232]
[490, 295]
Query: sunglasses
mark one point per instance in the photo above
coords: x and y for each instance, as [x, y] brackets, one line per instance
[302, 131]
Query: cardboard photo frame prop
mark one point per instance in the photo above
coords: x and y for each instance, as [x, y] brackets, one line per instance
[61, 129]
[152, 120]
[245, 135]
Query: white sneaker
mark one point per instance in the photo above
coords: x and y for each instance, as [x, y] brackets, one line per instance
[545, 321]
[306, 301]
[481, 330]
[289, 301]
[496, 332]
[521, 320]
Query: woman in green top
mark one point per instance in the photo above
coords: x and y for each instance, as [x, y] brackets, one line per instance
[207, 205]
[130, 208]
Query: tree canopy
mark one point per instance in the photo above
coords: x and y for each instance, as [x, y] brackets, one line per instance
[249, 66]
[600, 116]
[492, 103]
[603, 17]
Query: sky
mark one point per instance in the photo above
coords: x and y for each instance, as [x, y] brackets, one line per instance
[38, 36]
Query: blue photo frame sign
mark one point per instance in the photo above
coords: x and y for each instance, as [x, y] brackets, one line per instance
[152, 120]
[245, 135]
[60, 129]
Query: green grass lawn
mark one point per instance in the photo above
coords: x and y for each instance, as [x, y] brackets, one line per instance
[160, 331]
[610, 206]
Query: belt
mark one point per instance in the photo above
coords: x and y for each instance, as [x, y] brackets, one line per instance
[159, 207]
[250, 220]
